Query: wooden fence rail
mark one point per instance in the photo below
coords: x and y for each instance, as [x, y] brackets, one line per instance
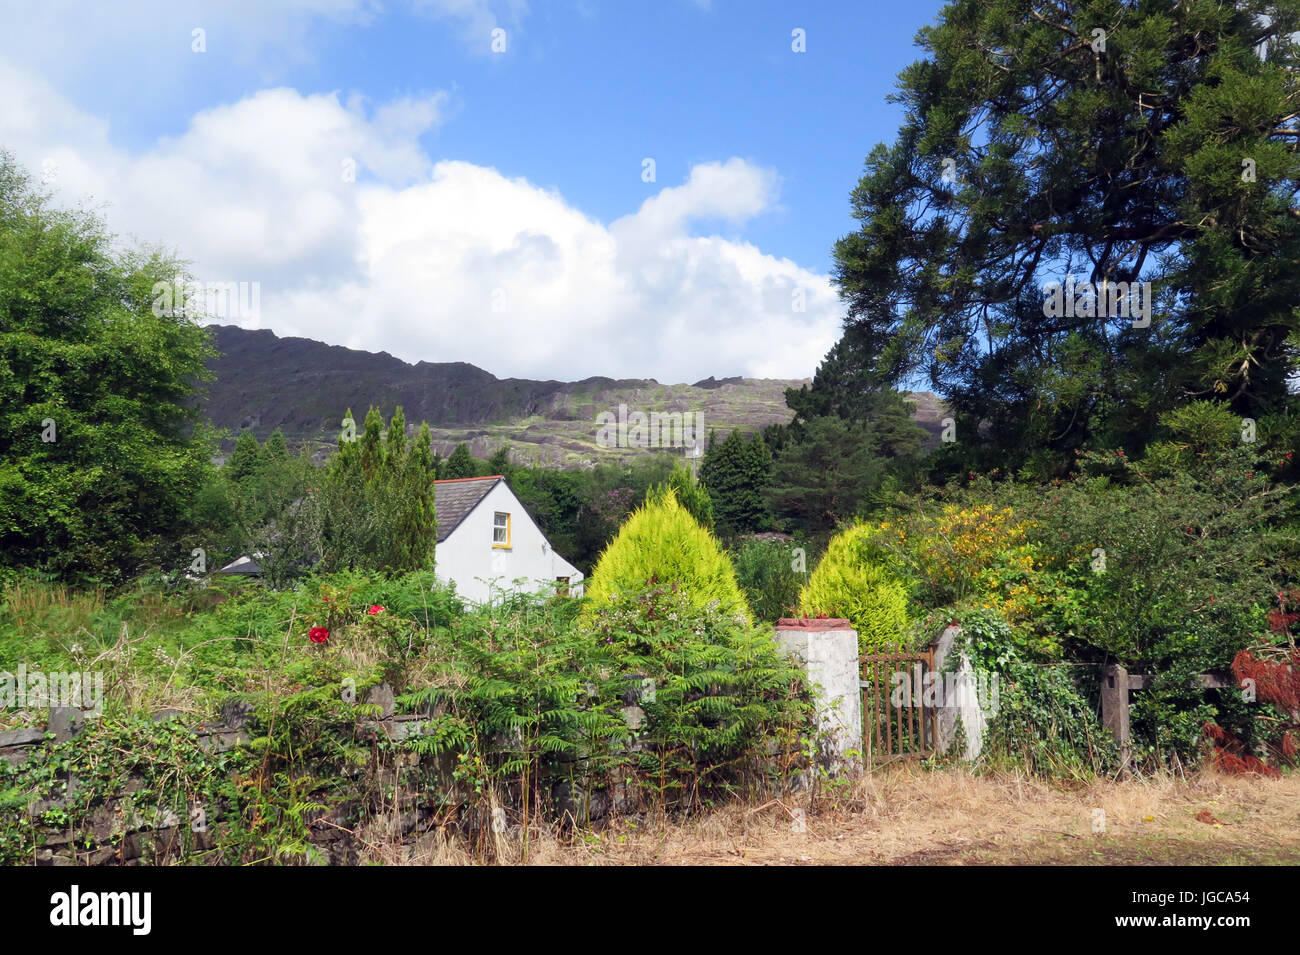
[1116, 683]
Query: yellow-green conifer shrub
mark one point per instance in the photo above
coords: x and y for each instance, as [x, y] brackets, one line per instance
[847, 583]
[663, 543]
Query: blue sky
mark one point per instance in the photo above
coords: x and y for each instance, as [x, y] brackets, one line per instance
[535, 155]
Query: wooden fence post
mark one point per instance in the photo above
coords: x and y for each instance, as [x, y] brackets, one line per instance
[1114, 709]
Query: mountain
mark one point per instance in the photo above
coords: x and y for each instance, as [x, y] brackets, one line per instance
[303, 387]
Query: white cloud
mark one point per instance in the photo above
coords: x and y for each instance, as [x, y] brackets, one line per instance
[413, 256]
[142, 51]
[147, 44]
[478, 18]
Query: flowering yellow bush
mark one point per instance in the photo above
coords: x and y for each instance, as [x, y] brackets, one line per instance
[975, 554]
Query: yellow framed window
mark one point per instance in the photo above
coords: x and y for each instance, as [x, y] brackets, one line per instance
[500, 529]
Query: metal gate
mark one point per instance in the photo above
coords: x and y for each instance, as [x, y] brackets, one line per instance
[899, 716]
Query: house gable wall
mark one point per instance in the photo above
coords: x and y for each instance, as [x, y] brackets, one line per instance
[468, 557]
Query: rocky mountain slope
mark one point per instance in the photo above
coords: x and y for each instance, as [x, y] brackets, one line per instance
[303, 387]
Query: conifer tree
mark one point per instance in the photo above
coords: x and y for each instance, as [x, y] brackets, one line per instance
[1088, 145]
[244, 458]
[372, 448]
[690, 494]
[460, 464]
[499, 463]
[275, 448]
[395, 451]
[736, 474]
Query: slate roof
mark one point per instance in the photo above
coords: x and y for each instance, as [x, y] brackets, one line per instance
[242, 565]
[456, 497]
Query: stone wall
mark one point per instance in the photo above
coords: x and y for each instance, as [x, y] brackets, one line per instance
[117, 832]
[399, 798]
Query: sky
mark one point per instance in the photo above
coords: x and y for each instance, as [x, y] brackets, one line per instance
[543, 189]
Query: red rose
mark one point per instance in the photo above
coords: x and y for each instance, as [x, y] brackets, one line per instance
[374, 609]
[318, 634]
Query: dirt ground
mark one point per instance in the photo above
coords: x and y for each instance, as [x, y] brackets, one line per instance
[907, 816]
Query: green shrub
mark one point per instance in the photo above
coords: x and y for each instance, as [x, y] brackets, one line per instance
[849, 583]
[765, 570]
[662, 543]
[729, 711]
[1167, 565]
[1043, 722]
[531, 700]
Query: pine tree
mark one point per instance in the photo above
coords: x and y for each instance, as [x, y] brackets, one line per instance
[276, 448]
[244, 458]
[460, 464]
[826, 477]
[417, 528]
[395, 451]
[1096, 143]
[735, 474]
[421, 455]
[372, 448]
[499, 463]
[348, 453]
[374, 510]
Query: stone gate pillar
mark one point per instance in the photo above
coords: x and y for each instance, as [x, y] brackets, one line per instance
[827, 649]
[962, 695]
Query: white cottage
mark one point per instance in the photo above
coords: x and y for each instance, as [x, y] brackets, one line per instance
[488, 544]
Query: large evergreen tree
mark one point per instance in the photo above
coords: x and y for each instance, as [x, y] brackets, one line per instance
[735, 473]
[374, 509]
[1109, 141]
[500, 462]
[826, 477]
[275, 448]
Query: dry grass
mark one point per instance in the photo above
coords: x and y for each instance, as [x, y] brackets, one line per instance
[905, 816]
[27, 600]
